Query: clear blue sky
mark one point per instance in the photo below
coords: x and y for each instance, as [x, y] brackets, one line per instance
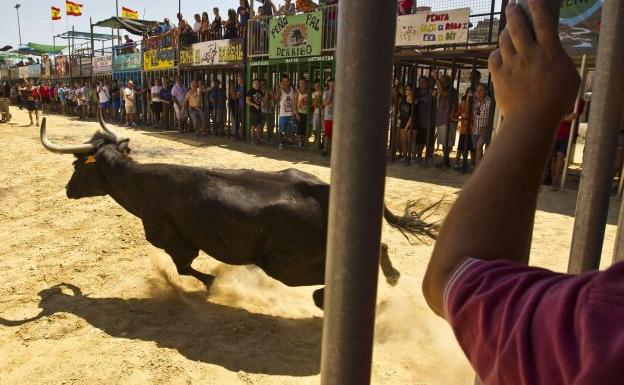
[36, 20]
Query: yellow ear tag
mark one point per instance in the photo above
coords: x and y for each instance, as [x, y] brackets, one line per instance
[90, 159]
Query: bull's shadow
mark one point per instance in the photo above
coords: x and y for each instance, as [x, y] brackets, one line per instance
[233, 338]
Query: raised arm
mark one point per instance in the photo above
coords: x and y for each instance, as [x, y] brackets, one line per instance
[536, 83]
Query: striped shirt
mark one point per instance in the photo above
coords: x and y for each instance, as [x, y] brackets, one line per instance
[481, 115]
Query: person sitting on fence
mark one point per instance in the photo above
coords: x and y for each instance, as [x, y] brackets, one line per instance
[287, 9]
[128, 44]
[216, 28]
[267, 7]
[286, 95]
[231, 25]
[185, 31]
[178, 92]
[204, 30]
[517, 324]
[328, 117]
[244, 14]
[192, 103]
[305, 5]
[197, 27]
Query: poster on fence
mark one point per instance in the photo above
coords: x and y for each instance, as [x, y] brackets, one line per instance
[296, 36]
[433, 28]
[61, 66]
[127, 62]
[161, 59]
[34, 71]
[23, 72]
[102, 64]
[215, 52]
[46, 69]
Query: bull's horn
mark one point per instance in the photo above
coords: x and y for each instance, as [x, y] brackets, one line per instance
[76, 149]
[109, 130]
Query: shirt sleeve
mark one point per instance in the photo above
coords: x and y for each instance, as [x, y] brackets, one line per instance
[530, 326]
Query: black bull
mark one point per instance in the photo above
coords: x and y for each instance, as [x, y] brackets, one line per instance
[274, 220]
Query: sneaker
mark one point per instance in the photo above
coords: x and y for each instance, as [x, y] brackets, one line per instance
[280, 147]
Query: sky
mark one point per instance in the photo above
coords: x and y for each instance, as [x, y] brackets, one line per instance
[36, 23]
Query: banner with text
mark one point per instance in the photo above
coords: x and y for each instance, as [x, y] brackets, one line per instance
[213, 53]
[61, 65]
[433, 28]
[102, 64]
[127, 62]
[296, 36]
[160, 59]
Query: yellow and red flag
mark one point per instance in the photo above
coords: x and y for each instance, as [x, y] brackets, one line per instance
[72, 8]
[56, 13]
[130, 14]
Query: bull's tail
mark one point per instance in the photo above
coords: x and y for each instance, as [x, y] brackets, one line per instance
[414, 220]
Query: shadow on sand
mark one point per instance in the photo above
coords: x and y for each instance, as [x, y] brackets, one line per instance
[233, 338]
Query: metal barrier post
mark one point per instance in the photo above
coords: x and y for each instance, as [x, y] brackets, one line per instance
[598, 162]
[356, 196]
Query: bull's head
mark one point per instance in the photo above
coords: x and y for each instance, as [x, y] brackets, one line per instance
[88, 179]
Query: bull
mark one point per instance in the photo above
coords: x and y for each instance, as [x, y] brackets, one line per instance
[274, 220]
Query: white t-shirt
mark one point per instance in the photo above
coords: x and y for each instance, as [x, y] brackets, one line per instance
[287, 103]
[156, 93]
[130, 97]
[103, 94]
[329, 108]
[196, 26]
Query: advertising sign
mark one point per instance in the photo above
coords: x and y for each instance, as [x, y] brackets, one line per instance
[433, 28]
[23, 72]
[575, 12]
[296, 36]
[61, 66]
[34, 71]
[102, 64]
[212, 53]
[161, 59]
[127, 62]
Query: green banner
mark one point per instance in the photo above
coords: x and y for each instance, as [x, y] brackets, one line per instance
[296, 36]
[576, 12]
[127, 62]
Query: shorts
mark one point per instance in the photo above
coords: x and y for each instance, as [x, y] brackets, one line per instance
[302, 125]
[116, 104]
[465, 143]
[30, 105]
[442, 134]
[105, 105]
[157, 107]
[328, 128]
[131, 109]
[560, 147]
[286, 123]
[256, 119]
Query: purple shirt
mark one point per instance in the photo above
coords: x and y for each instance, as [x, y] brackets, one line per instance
[528, 326]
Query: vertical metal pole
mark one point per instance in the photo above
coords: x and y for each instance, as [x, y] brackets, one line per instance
[598, 162]
[19, 27]
[568, 156]
[356, 195]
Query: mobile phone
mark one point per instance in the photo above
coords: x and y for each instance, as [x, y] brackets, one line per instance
[555, 7]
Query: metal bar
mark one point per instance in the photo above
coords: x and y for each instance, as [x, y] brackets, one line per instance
[598, 162]
[581, 90]
[356, 196]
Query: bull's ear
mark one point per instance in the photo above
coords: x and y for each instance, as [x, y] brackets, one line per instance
[124, 147]
[90, 159]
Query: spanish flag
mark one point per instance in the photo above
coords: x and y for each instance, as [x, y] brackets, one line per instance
[130, 14]
[73, 9]
[56, 13]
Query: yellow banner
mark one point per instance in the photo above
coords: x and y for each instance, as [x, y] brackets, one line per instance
[160, 59]
[129, 13]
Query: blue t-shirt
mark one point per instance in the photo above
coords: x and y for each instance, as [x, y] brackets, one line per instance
[165, 94]
[61, 94]
[217, 96]
[241, 91]
[243, 16]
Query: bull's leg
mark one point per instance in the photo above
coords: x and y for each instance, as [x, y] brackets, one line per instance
[392, 275]
[182, 258]
[318, 297]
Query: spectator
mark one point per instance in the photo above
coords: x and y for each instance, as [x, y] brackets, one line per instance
[206, 105]
[62, 99]
[116, 99]
[130, 104]
[30, 95]
[122, 98]
[328, 118]
[239, 97]
[518, 324]
[254, 101]
[193, 104]
[178, 92]
[231, 25]
[405, 7]
[156, 103]
[303, 105]
[287, 9]
[305, 5]
[267, 7]
[165, 26]
[446, 108]
[167, 100]
[286, 96]
[465, 146]
[128, 44]
[104, 97]
[217, 99]
[197, 24]
[244, 13]
[405, 121]
[185, 30]
[204, 30]
[217, 25]
[560, 148]
[481, 110]
[425, 135]
[268, 107]
[317, 103]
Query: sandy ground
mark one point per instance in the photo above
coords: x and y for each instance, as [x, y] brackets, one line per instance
[123, 316]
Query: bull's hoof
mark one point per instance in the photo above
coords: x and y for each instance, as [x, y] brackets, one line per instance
[393, 277]
[318, 298]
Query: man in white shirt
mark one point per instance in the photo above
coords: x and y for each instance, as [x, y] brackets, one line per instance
[130, 104]
[156, 102]
[105, 98]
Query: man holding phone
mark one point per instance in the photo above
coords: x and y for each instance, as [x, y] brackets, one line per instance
[517, 324]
